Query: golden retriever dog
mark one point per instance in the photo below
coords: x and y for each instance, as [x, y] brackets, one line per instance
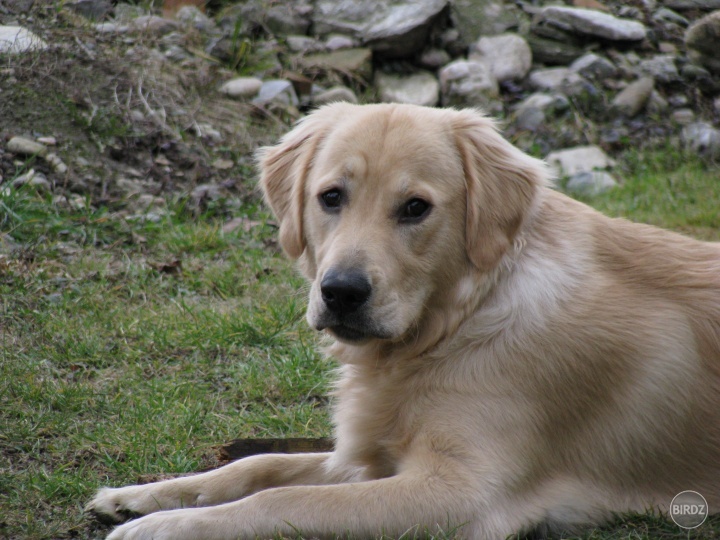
[512, 361]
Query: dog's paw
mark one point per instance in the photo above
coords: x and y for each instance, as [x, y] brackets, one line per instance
[188, 524]
[113, 505]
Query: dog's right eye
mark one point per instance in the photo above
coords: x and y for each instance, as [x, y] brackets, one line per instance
[331, 199]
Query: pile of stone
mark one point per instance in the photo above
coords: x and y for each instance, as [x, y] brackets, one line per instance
[568, 78]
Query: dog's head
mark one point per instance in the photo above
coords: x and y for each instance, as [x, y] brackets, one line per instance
[391, 207]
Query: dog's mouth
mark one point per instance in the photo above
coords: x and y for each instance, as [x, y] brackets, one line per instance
[350, 332]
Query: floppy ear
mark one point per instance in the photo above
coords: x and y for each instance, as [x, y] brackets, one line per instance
[501, 183]
[283, 172]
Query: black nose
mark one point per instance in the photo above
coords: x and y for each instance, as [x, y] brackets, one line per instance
[344, 291]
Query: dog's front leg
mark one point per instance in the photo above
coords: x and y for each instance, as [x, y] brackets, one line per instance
[390, 506]
[228, 483]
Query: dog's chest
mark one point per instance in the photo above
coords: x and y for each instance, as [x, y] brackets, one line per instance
[375, 423]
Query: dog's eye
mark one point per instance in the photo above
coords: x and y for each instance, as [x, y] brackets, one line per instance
[414, 210]
[331, 199]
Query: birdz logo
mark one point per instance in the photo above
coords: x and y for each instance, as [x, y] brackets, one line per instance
[689, 509]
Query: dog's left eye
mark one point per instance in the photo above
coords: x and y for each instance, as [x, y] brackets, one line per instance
[414, 210]
[331, 200]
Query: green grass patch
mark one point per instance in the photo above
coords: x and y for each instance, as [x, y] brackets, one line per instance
[136, 347]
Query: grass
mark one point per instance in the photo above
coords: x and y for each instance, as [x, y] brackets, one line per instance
[135, 348]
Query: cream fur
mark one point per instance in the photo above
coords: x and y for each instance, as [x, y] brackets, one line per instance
[528, 361]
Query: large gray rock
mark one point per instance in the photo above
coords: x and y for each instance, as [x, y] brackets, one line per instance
[702, 139]
[592, 23]
[420, 88]
[476, 18]
[467, 83]
[703, 42]
[508, 56]
[578, 159]
[395, 28]
[16, 40]
[634, 97]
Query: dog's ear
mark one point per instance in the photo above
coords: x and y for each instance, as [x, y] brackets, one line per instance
[501, 183]
[283, 172]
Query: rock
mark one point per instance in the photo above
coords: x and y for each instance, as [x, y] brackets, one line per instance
[111, 28]
[529, 118]
[579, 159]
[354, 61]
[337, 93]
[335, 42]
[532, 112]
[634, 97]
[192, 16]
[661, 67]
[35, 179]
[508, 56]
[394, 28]
[545, 102]
[590, 183]
[26, 147]
[702, 139]
[592, 23]
[242, 87]
[56, 163]
[466, 83]
[17, 40]
[703, 42]
[683, 117]
[592, 66]
[434, 58]
[716, 105]
[476, 18]
[94, 10]
[562, 80]
[277, 91]
[421, 88]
